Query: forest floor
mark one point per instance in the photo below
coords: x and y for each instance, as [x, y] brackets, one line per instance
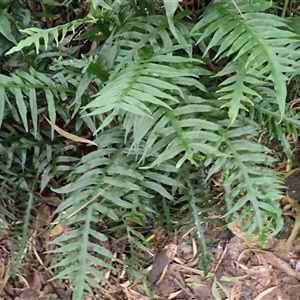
[240, 268]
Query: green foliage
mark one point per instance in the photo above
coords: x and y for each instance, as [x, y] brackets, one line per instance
[261, 44]
[162, 119]
[35, 34]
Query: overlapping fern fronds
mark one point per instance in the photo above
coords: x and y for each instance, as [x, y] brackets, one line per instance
[157, 119]
[150, 94]
[104, 185]
[27, 90]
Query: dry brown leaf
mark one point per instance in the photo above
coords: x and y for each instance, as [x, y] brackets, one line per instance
[70, 136]
[34, 290]
[28, 294]
[51, 198]
[4, 275]
[34, 281]
[175, 294]
[260, 271]
[2, 269]
[280, 264]
[161, 260]
[44, 214]
[265, 292]
[57, 230]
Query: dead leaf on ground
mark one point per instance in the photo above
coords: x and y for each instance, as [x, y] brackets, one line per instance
[260, 271]
[28, 294]
[56, 230]
[44, 215]
[199, 285]
[4, 275]
[172, 284]
[70, 136]
[51, 198]
[161, 260]
[34, 290]
[278, 263]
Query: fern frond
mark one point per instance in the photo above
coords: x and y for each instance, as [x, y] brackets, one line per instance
[35, 34]
[150, 92]
[20, 151]
[18, 196]
[183, 134]
[156, 121]
[142, 91]
[105, 184]
[76, 255]
[260, 44]
[247, 170]
[32, 90]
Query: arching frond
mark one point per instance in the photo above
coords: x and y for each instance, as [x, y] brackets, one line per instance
[261, 44]
[35, 34]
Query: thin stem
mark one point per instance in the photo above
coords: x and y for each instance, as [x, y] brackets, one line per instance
[285, 5]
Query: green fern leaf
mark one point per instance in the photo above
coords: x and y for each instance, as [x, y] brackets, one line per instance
[260, 38]
[35, 34]
[255, 186]
[85, 274]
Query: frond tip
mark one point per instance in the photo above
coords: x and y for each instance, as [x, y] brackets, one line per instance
[35, 34]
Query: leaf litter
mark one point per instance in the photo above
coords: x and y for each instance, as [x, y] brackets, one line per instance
[240, 268]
